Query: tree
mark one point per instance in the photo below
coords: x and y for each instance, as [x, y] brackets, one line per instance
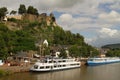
[13, 12]
[3, 12]
[4, 36]
[74, 51]
[63, 53]
[32, 10]
[22, 9]
[113, 53]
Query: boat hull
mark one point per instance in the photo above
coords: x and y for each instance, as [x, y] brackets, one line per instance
[104, 61]
[49, 70]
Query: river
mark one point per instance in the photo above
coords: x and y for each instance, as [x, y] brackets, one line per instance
[102, 72]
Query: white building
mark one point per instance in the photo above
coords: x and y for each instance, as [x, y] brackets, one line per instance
[45, 42]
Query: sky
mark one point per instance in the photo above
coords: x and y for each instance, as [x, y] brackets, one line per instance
[97, 20]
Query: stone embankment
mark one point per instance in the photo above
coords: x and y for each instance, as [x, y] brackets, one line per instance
[16, 69]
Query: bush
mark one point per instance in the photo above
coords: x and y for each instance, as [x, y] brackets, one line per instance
[4, 73]
[12, 19]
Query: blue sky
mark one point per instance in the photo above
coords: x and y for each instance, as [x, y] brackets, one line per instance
[97, 20]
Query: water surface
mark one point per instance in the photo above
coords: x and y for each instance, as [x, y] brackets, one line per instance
[102, 72]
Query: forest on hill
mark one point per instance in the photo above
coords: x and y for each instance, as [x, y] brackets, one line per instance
[114, 49]
[28, 34]
[112, 46]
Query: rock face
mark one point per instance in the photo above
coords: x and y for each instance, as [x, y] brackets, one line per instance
[42, 17]
[29, 17]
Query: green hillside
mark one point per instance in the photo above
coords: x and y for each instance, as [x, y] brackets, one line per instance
[29, 32]
[112, 46]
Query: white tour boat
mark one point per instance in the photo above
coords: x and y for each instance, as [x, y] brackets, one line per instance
[99, 61]
[55, 64]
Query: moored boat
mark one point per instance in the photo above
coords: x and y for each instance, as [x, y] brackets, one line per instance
[99, 61]
[55, 64]
[1, 62]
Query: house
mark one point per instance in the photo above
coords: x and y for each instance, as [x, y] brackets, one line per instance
[22, 58]
[45, 43]
[5, 18]
[103, 52]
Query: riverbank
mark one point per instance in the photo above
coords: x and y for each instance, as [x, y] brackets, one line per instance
[8, 70]
[17, 69]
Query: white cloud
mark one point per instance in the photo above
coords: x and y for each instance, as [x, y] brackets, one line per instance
[105, 36]
[41, 5]
[108, 32]
[66, 18]
[68, 22]
[112, 17]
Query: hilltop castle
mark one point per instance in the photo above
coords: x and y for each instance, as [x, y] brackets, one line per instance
[32, 18]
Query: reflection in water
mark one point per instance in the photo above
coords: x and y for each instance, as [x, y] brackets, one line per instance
[103, 72]
[59, 75]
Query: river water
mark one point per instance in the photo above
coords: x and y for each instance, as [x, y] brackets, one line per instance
[102, 72]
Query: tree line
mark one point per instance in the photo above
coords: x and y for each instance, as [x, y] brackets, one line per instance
[21, 10]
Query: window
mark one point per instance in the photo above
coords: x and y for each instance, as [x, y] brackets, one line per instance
[47, 66]
[41, 67]
[35, 66]
[64, 61]
[50, 61]
[77, 64]
[64, 65]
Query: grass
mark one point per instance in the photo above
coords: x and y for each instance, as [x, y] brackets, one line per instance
[4, 73]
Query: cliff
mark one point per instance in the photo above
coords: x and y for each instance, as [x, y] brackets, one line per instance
[49, 19]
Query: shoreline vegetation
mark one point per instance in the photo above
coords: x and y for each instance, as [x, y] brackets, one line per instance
[8, 70]
[5, 73]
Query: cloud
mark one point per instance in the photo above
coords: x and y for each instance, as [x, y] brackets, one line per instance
[108, 32]
[106, 36]
[71, 23]
[116, 5]
[112, 17]
[41, 5]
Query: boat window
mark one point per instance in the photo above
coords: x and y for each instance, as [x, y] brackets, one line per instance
[50, 61]
[36, 66]
[55, 66]
[64, 65]
[51, 67]
[60, 65]
[47, 66]
[41, 67]
[59, 61]
[45, 61]
[90, 59]
[54, 61]
[77, 64]
[73, 64]
[64, 61]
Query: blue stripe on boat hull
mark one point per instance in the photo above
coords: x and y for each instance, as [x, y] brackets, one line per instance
[101, 63]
